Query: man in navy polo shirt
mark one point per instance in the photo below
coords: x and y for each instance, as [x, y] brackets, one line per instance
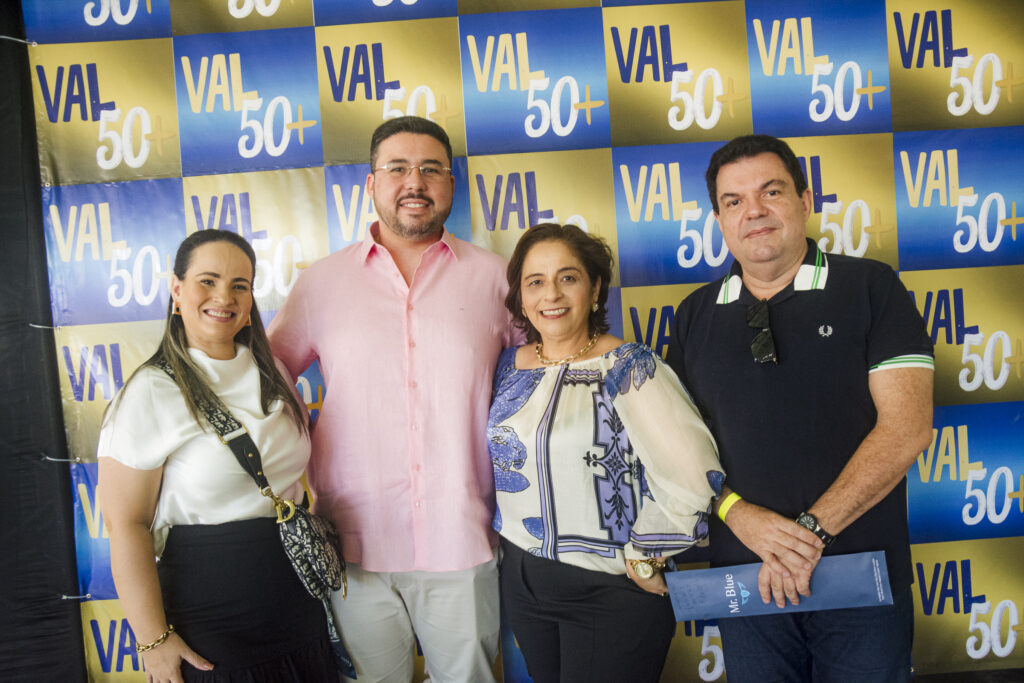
[814, 372]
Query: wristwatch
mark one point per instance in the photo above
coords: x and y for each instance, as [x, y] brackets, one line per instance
[809, 521]
[644, 569]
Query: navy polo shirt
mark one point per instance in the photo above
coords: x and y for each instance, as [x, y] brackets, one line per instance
[786, 430]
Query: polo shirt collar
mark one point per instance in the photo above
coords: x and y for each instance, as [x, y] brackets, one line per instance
[369, 244]
[812, 274]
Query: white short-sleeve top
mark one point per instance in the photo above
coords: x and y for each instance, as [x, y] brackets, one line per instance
[202, 481]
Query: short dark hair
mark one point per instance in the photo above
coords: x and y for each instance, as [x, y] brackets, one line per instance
[408, 124]
[593, 253]
[750, 146]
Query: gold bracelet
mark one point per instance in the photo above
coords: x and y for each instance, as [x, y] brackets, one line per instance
[159, 641]
[726, 505]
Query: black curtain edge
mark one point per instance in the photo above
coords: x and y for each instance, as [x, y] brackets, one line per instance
[41, 635]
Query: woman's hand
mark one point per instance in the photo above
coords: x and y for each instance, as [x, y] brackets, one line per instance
[163, 662]
[656, 584]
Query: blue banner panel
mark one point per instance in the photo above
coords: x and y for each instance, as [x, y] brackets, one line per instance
[92, 545]
[970, 482]
[71, 21]
[248, 101]
[667, 232]
[350, 209]
[328, 12]
[552, 98]
[110, 249]
[838, 83]
[955, 207]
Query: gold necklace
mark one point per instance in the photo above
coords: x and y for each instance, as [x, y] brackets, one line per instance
[568, 359]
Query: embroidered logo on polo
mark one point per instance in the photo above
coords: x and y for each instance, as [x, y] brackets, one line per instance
[825, 330]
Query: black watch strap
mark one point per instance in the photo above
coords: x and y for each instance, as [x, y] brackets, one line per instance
[810, 522]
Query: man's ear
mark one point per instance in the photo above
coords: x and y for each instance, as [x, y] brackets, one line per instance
[808, 203]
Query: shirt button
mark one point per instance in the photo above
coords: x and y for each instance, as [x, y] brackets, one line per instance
[412, 384]
[417, 467]
[417, 504]
[409, 307]
[412, 344]
[414, 427]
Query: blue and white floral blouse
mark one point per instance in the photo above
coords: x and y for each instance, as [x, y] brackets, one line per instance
[598, 458]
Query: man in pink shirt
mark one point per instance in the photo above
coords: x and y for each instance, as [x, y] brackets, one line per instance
[407, 325]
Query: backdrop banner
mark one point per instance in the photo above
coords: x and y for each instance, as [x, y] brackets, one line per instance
[159, 118]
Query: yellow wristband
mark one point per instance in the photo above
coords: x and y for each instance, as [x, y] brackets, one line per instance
[726, 505]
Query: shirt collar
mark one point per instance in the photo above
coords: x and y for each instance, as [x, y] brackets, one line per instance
[812, 274]
[370, 244]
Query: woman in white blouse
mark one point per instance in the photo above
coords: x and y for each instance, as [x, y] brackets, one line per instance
[603, 469]
[169, 487]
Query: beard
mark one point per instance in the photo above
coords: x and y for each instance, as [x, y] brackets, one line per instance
[415, 230]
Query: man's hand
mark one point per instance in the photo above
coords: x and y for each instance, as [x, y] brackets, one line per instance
[789, 551]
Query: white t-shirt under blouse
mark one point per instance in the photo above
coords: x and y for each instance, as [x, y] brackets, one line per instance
[202, 481]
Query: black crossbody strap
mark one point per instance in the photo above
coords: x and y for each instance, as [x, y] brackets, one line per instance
[233, 434]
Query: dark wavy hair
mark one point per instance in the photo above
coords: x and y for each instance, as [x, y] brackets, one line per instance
[174, 345]
[750, 146]
[408, 124]
[593, 253]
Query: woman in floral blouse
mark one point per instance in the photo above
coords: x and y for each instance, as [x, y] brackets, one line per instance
[603, 469]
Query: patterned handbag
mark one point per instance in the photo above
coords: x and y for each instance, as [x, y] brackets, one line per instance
[310, 541]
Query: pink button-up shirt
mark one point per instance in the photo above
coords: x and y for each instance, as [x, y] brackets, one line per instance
[400, 460]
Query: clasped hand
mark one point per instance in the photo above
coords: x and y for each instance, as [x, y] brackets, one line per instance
[789, 551]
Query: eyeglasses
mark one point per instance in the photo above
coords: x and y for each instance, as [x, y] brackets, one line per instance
[398, 171]
[763, 346]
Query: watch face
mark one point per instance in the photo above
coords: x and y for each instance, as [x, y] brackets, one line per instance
[807, 521]
[643, 570]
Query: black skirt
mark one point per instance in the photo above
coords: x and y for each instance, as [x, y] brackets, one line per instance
[234, 598]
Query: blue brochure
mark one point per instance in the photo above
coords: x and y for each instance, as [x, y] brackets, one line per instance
[839, 581]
